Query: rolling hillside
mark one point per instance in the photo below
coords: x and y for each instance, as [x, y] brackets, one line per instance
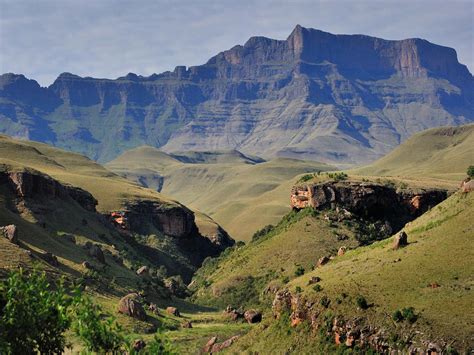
[439, 153]
[230, 187]
[56, 180]
[432, 274]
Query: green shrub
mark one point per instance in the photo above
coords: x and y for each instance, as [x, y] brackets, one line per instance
[362, 302]
[286, 279]
[409, 314]
[338, 176]
[317, 288]
[325, 301]
[397, 316]
[262, 232]
[33, 317]
[99, 333]
[298, 289]
[306, 177]
[470, 171]
[299, 271]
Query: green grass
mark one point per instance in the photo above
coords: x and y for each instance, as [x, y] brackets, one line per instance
[238, 193]
[436, 154]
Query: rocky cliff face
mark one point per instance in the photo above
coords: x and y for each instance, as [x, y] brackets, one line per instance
[334, 98]
[367, 200]
[30, 184]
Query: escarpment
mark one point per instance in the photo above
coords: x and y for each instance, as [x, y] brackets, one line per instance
[367, 200]
[29, 184]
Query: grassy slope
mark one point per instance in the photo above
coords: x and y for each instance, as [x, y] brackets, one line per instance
[110, 190]
[439, 153]
[239, 276]
[438, 253]
[230, 188]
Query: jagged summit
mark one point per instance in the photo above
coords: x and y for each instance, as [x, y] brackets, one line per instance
[344, 99]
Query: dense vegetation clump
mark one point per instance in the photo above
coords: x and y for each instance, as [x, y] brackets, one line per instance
[261, 232]
[338, 176]
[470, 171]
[35, 315]
[407, 314]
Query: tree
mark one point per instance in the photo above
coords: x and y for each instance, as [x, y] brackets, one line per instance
[470, 171]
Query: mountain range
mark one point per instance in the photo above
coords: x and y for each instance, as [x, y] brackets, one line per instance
[343, 99]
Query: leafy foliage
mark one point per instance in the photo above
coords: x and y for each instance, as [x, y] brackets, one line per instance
[261, 232]
[33, 317]
[470, 171]
[362, 302]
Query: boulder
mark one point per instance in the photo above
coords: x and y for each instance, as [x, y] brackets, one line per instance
[322, 261]
[173, 311]
[232, 313]
[138, 345]
[131, 306]
[142, 270]
[400, 240]
[153, 308]
[10, 232]
[253, 316]
[314, 280]
[87, 265]
[341, 251]
[186, 325]
[50, 258]
[96, 252]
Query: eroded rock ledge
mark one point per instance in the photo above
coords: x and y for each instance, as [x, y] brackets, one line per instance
[28, 184]
[368, 200]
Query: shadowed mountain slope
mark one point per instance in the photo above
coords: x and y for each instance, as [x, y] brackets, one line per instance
[345, 99]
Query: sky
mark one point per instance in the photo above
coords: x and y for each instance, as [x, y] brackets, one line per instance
[110, 38]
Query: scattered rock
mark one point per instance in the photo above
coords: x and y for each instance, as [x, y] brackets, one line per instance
[434, 285]
[87, 245]
[281, 303]
[207, 348]
[253, 316]
[400, 240]
[139, 344]
[186, 325]
[233, 313]
[96, 252]
[341, 251]
[322, 261]
[314, 280]
[153, 308]
[173, 311]
[10, 232]
[131, 306]
[50, 258]
[143, 270]
[87, 265]
[225, 344]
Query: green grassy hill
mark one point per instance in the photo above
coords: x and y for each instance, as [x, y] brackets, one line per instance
[439, 153]
[241, 193]
[433, 274]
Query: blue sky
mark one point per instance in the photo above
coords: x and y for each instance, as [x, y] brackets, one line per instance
[110, 38]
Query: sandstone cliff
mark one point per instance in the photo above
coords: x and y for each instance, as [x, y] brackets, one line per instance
[331, 98]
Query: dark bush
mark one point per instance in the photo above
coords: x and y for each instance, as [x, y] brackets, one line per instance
[299, 271]
[325, 301]
[362, 302]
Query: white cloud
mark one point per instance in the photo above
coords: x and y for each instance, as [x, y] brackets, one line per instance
[107, 38]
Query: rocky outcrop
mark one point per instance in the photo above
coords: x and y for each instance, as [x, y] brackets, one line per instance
[175, 221]
[315, 95]
[353, 332]
[253, 316]
[131, 306]
[96, 252]
[10, 232]
[367, 200]
[400, 240]
[213, 347]
[32, 184]
[173, 311]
